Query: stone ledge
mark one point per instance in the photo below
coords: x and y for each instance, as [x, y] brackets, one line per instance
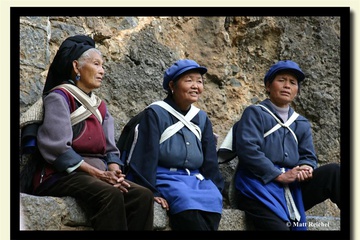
[53, 213]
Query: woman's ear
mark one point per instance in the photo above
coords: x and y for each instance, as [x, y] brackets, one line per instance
[267, 86]
[171, 85]
[75, 64]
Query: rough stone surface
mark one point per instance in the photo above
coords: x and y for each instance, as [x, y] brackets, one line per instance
[52, 213]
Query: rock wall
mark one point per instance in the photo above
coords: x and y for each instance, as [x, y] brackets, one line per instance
[52, 213]
[236, 50]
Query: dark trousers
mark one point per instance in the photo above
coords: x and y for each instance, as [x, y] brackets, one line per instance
[107, 207]
[195, 220]
[325, 184]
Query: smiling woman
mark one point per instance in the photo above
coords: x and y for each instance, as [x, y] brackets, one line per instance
[182, 171]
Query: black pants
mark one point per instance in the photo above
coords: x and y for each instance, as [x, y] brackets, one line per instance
[325, 184]
[107, 207]
[195, 220]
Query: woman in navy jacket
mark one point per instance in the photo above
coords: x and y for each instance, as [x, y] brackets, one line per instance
[182, 171]
[277, 178]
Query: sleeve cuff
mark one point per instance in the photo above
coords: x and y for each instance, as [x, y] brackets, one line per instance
[71, 169]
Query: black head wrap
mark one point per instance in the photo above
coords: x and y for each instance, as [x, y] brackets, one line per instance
[61, 67]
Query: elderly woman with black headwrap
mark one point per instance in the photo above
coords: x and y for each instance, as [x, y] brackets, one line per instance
[81, 158]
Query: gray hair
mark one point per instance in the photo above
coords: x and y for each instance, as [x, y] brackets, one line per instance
[86, 55]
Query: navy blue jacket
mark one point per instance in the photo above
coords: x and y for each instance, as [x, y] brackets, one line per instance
[182, 150]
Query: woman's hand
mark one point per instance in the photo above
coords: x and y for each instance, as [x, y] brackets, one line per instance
[117, 179]
[299, 173]
[113, 166]
[113, 176]
[162, 202]
[305, 174]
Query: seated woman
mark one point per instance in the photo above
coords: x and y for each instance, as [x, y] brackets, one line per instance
[277, 178]
[182, 171]
[81, 159]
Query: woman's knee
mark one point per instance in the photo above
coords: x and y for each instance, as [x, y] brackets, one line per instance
[146, 194]
[142, 192]
[112, 195]
[333, 167]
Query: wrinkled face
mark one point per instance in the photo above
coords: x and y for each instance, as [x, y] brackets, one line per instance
[187, 89]
[283, 89]
[91, 71]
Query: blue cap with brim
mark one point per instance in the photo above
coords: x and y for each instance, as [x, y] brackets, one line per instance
[178, 68]
[287, 65]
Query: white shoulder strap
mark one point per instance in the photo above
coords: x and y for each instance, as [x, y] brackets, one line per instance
[89, 104]
[225, 150]
[280, 124]
[136, 135]
[228, 140]
[183, 121]
[35, 113]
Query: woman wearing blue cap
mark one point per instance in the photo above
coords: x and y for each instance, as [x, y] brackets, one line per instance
[277, 178]
[81, 159]
[180, 166]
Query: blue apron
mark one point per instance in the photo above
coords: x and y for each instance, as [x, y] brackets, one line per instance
[273, 196]
[187, 190]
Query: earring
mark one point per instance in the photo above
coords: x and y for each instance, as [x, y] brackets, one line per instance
[77, 78]
[172, 91]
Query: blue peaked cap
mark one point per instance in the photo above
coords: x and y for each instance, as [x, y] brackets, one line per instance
[178, 68]
[284, 65]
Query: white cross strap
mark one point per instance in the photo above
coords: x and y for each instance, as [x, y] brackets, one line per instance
[183, 121]
[89, 104]
[293, 211]
[280, 124]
